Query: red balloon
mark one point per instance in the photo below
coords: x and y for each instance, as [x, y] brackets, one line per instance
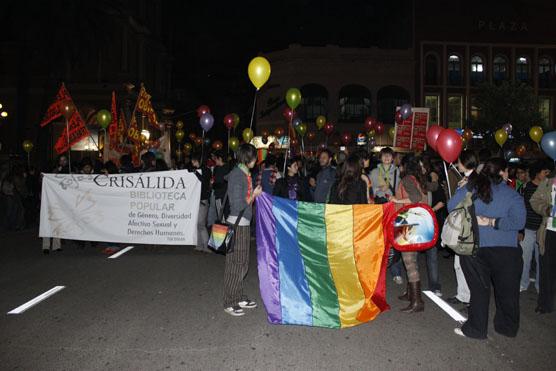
[370, 123]
[379, 128]
[192, 136]
[229, 121]
[202, 109]
[311, 136]
[288, 114]
[328, 128]
[449, 145]
[279, 132]
[217, 145]
[346, 138]
[432, 135]
[294, 142]
[398, 118]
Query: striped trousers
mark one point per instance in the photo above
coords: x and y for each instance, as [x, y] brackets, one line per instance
[237, 264]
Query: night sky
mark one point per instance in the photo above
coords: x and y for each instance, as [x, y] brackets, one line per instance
[213, 42]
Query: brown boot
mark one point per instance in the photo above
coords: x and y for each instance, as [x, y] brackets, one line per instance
[405, 296]
[416, 303]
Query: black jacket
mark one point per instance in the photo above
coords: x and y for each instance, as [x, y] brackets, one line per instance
[356, 193]
[205, 181]
[281, 188]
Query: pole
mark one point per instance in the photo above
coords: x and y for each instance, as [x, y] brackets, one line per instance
[447, 180]
[69, 147]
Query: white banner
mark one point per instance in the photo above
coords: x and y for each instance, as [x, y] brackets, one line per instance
[151, 208]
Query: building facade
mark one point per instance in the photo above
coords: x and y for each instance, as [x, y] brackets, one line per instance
[460, 45]
[343, 84]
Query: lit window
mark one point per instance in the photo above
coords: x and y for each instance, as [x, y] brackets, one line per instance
[454, 70]
[474, 111]
[455, 111]
[544, 110]
[500, 68]
[522, 69]
[477, 69]
[433, 103]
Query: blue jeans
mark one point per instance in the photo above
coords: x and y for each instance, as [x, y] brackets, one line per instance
[529, 245]
[432, 268]
[397, 268]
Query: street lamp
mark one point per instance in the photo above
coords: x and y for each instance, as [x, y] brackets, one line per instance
[4, 114]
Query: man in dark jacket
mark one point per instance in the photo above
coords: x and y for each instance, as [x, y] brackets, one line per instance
[325, 177]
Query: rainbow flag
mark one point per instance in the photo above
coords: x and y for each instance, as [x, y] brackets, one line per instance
[321, 264]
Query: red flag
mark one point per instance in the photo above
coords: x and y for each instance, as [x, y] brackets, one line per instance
[53, 112]
[113, 127]
[77, 131]
[122, 127]
[133, 132]
[145, 106]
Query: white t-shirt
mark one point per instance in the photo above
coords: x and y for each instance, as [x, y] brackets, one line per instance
[551, 223]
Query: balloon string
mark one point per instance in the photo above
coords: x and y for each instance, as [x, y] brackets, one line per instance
[287, 153]
[253, 111]
[447, 180]
[203, 148]
[228, 142]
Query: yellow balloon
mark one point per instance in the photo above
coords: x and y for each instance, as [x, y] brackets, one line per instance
[179, 124]
[247, 135]
[27, 146]
[179, 135]
[258, 71]
[501, 136]
[536, 133]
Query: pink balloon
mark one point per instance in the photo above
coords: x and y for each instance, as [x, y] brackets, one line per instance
[449, 145]
[432, 135]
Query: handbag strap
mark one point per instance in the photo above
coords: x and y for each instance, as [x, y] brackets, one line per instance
[219, 217]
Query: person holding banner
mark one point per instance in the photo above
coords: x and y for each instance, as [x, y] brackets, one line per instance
[204, 175]
[62, 167]
[241, 196]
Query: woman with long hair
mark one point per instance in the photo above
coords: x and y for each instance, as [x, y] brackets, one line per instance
[292, 185]
[349, 188]
[501, 215]
[412, 189]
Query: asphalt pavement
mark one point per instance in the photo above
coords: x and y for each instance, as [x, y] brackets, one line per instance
[159, 308]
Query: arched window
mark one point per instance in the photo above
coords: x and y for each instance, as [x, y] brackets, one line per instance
[477, 69]
[431, 70]
[454, 70]
[388, 98]
[545, 66]
[314, 101]
[355, 103]
[522, 69]
[500, 68]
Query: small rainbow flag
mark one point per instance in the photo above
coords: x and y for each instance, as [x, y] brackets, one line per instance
[218, 235]
[320, 264]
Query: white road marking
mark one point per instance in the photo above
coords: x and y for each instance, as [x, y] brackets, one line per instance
[446, 307]
[35, 301]
[121, 252]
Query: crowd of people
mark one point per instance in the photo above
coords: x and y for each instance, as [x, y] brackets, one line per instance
[515, 208]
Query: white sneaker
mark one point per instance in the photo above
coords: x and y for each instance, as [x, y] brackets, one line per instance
[247, 304]
[398, 280]
[458, 331]
[235, 311]
[438, 293]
